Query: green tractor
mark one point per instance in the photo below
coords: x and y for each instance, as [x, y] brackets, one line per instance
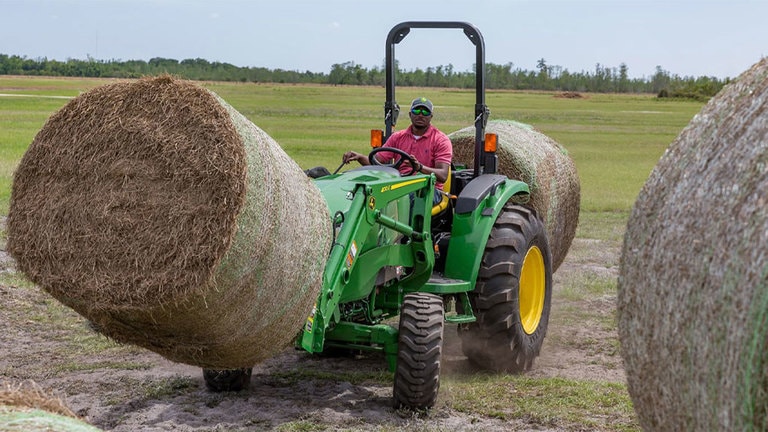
[480, 259]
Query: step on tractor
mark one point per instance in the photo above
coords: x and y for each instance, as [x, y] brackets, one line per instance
[479, 260]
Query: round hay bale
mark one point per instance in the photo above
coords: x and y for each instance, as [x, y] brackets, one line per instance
[693, 277]
[532, 157]
[157, 211]
[27, 408]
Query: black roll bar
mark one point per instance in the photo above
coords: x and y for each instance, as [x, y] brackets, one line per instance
[392, 110]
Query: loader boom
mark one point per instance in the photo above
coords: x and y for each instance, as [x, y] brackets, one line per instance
[371, 209]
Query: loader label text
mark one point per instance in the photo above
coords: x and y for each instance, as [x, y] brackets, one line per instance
[402, 184]
[351, 255]
[311, 319]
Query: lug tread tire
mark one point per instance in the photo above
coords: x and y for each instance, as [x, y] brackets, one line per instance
[420, 346]
[220, 380]
[497, 340]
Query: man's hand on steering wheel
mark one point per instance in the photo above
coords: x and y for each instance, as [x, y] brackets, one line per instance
[413, 164]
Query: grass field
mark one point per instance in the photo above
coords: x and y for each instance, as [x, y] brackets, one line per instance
[615, 140]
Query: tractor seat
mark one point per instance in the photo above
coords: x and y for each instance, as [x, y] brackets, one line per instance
[443, 204]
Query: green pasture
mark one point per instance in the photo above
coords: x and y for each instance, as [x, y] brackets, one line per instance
[615, 140]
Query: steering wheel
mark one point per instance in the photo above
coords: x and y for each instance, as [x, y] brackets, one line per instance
[404, 156]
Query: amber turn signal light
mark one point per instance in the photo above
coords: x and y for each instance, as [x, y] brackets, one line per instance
[377, 138]
[491, 140]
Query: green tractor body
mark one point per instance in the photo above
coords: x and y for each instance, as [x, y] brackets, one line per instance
[383, 249]
[482, 263]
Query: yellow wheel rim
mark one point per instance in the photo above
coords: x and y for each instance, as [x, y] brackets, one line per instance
[533, 287]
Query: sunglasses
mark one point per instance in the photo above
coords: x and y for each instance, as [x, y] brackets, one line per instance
[422, 111]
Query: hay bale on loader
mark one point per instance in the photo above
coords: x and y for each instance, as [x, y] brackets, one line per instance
[28, 408]
[157, 211]
[693, 278]
[536, 159]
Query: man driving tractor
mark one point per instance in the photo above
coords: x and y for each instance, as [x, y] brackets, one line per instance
[426, 144]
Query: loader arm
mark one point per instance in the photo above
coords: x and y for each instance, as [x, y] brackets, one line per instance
[375, 226]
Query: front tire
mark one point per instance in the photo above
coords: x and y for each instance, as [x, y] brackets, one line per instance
[219, 380]
[420, 346]
[512, 296]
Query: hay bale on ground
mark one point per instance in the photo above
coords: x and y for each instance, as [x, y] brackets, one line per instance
[157, 211]
[27, 408]
[532, 157]
[693, 282]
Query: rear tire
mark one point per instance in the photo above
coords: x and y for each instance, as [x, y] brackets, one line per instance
[219, 380]
[420, 346]
[513, 294]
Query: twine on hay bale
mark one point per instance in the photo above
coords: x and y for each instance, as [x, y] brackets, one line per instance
[28, 408]
[157, 211]
[693, 279]
[532, 157]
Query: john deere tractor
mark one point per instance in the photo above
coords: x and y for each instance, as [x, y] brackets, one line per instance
[480, 259]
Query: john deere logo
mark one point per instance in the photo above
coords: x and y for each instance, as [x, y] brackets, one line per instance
[371, 202]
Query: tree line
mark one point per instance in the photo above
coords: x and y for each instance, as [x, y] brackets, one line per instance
[602, 79]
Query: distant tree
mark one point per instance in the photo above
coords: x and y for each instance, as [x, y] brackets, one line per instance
[543, 81]
[338, 74]
[541, 65]
[499, 76]
[547, 77]
[623, 78]
[660, 80]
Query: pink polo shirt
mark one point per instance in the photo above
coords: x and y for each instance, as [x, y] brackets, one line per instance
[432, 147]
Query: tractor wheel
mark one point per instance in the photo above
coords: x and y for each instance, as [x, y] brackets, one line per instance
[219, 380]
[420, 345]
[512, 296]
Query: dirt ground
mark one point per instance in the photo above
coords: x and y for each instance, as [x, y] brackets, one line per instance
[126, 389]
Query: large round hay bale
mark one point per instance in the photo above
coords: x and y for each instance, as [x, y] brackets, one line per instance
[693, 279]
[536, 159]
[27, 408]
[157, 211]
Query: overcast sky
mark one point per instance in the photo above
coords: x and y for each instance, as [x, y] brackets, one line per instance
[720, 38]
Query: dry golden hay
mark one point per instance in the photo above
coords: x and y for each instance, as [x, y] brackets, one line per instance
[157, 211]
[28, 408]
[570, 95]
[31, 395]
[693, 280]
[532, 157]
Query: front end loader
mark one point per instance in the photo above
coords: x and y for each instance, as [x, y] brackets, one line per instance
[399, 269]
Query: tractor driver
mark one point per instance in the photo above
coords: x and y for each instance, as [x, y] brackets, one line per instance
[424, 142]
